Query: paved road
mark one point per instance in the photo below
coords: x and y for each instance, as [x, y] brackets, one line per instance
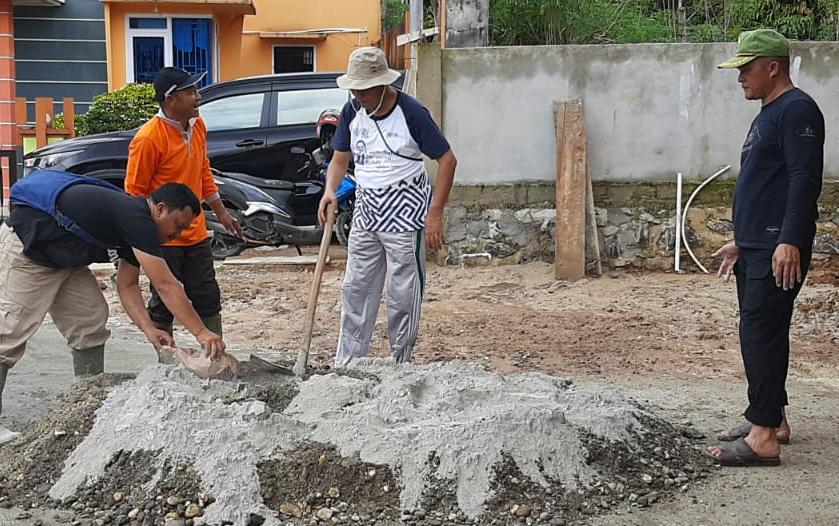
[46, 370]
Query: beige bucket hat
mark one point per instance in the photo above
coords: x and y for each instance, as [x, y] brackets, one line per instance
[367, 68]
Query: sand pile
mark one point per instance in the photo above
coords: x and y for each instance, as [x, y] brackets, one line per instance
[444, 443]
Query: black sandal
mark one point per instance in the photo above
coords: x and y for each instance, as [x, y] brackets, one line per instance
[740, 454]
[741, 431]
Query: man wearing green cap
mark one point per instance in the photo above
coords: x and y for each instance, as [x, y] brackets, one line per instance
[775, 216]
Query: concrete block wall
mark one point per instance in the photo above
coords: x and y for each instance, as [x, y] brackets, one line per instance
[652, 110]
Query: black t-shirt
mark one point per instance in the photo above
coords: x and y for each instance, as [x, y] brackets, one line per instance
[775, 200]
[113, 218]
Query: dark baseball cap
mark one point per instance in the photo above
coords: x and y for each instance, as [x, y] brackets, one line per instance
[169, 80]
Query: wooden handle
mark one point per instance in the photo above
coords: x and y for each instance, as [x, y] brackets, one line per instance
[303, 355]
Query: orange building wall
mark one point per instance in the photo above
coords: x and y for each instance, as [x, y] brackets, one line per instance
[228, 39]
[331, 54]
[242, 52]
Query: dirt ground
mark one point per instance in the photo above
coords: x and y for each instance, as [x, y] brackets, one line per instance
[668, 340]
[518, 318]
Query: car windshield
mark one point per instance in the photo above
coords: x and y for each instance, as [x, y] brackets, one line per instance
[304, 106]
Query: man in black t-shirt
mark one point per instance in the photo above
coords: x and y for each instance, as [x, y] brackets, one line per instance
[775, 212]
[43, 269]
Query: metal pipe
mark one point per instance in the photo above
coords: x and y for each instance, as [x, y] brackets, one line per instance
[678, 256]
[685, 215]
[416, 9]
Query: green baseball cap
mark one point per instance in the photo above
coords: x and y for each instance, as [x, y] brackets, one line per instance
[757, 43]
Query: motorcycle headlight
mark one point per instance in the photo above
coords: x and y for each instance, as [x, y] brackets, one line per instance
[257, 200]
[262, 206]
[253, 193]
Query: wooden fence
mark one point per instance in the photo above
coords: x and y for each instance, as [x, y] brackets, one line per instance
[43, 130]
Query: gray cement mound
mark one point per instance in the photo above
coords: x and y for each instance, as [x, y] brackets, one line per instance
[448, 442]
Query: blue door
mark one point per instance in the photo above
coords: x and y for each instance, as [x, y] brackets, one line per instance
[191, 46]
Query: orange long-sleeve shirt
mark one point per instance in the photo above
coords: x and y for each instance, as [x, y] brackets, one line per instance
[162, 152]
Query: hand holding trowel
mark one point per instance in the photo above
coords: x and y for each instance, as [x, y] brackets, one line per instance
[224, 367]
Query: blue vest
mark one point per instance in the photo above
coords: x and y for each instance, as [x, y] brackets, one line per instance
[40, 190]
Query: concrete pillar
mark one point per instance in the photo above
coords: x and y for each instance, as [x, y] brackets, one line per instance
[8, 125]
[429, 89]
[466, 23]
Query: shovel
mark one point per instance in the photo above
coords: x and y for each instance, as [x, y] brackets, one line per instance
[303, 355]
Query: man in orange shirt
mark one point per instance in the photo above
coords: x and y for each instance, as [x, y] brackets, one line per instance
[172, 148]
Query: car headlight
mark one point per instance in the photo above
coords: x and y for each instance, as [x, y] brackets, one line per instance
[54, 160]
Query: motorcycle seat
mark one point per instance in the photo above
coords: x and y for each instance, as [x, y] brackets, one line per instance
[259, 182]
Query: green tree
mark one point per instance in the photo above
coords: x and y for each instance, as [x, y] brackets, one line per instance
[797, 20]
[535, 22]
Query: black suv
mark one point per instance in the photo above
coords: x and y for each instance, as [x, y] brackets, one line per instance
[252, 125]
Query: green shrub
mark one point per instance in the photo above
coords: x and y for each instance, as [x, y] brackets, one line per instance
[58, 121]
[123, 109]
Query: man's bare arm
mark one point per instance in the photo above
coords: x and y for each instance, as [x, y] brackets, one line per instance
[172, 293]
[128, 288]
[434, 235]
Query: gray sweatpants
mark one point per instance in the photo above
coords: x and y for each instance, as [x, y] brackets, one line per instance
[372, 259]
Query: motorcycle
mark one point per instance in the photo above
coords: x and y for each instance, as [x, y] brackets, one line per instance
[265, 219]
[276, 212]
[327, 124]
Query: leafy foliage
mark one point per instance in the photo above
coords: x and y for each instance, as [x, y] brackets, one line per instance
[393, 14]
[123, 109]
[58, 121]
[535, 22]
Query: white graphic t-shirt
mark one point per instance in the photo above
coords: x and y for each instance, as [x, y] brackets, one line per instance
[393, 190]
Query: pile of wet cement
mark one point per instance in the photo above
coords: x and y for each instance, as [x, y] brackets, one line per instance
[446, 443]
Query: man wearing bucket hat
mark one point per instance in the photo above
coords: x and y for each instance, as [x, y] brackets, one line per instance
[775, 216]
[172, 148]
[397, 215]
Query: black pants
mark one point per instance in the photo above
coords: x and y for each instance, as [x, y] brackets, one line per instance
[193, 266]
[765, 315]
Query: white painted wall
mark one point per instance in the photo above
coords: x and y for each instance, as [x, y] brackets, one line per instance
[651, 109]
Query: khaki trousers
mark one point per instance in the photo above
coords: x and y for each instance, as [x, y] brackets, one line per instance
[29, 291]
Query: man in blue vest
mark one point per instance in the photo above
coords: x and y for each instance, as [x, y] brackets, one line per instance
[60, 223]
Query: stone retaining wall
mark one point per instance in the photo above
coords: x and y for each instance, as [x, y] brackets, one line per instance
[503, 224]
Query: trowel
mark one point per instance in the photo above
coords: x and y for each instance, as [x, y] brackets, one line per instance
[271, 367]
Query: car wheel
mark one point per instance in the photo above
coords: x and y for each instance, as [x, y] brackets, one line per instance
[114, 176]
[343, 224]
